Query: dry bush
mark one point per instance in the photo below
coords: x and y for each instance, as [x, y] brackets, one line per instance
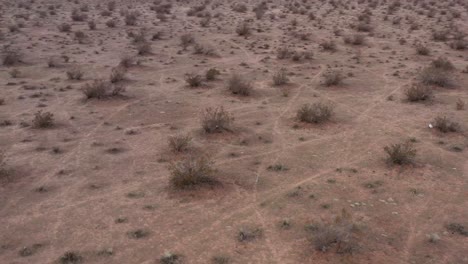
[170, 258]
[80, 36]
[15, 73]
[11, 57]
[78, 16]
[440, 35]
[355, 39]
[216, 120]
[127, 61]
[71, 257]
[203, 49]
[187, 40]
[459, 44]
[143, 48]
[131, 18]
[459, 105]
[111, 23]
[280, 77]
[283, 53]
[211, 74]
[117, 74]
[341, 234]
[192, 171]
[64, 27]
[418, 92]
[400, 154]
[315, 113]
[75, 73]
[328, 45]
[240, 8]
[422, 50]
[436, 76]
[243, 29]
[98, 89]
[43, 120]
[445, 125]
[205, 22]
[179, 143]
[193, 80]
[364, 27]
[238, 85]
[443, 64]
[332, 77]
[92, 25]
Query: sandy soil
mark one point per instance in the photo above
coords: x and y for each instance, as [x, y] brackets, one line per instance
[101, 171]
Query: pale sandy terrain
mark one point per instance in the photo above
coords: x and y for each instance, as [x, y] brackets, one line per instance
[101, 173]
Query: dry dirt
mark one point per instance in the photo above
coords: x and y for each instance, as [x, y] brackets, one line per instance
[101, 171]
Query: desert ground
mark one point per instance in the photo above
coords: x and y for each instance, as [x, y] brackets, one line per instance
[215, 131]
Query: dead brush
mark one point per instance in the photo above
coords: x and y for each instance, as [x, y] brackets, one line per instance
[239, 86]
[443, 64]
[283, 53]
[192, 171]
[64, 27]
[445, 125]
[422, 50]
[355, 39]
[418, 93]
[75, 73]
[212, 74]
[186, 40]
[243, 29]
[43, 120]
[117, 74]
[127, 61]
[432, 75]
[342, 235]
[143, 48]
[315, 113]
[280, 77]
[11, 57]
[193, 80]
[216, 120]
[400, 154]
[332, 78]
[101, 89]
[179, 143]
[328, 45]
[204, 49]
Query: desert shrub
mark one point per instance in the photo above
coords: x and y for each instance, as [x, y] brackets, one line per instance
[127, 61]
[92, 25]
[170, 258]
[422, 50]
[211, 74]
[15, 73]
[240, 8]
[443, 64]
[436, 76]
[111, 6]
[157, 36]
[64, 27]
[179, 143]
[98, 89]
[280, 77]
[315, 113]
[459, 105]
[80, 36]
[332, 77]
[328, 45]
[117, 74]
[440, 35]
[364, 27]
[70, 258]
[445, 125]
[193, 80]
[459, 44]
[243, 29]
[75, 73]
[341, 234]
[247, 234]
[355, 39]
[418, 92]
[238, 85]
[203, 49]
[52, 62]
[111, 23]
[216, 120]
[78, 16]
[457, 228]
[11, 57]
[143, 48]
[283, 53]
[43, 120]
[191, 171]
[400, 154]
[205, 22]
[13, 28]
[186, 40]
[131, 19]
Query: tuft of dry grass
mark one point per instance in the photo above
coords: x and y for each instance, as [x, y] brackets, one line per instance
[216, 120]
[193, 80]
[400, 154]
[315, 113]
[179, 143]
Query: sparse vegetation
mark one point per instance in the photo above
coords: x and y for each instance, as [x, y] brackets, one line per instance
[193, 80]
[75, 73]
[216, 120]
[445, 125]
[418, 92]
[179, 143]
[211, 74]
[43, 120]
[238, 85]
[192, 171]
[315, 113]
[71, 257]
[280, 77]
[332, 78]
[400, 154]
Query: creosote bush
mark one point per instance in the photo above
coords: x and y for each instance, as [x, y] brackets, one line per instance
[211, 74]
[193, 80]
[216, 120]
[238, 85]
[179, 143]
[43, 120]
[64, 27]
[400, 154]
[315, 113]
[191, 171]
[243, 29]
[422, 50]
[280, 77]
[328, 45]
[418, 92]
[101, 89]
[433, 75]
[443, 64]
[445, 125]
[332, 77]
[355, 39]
